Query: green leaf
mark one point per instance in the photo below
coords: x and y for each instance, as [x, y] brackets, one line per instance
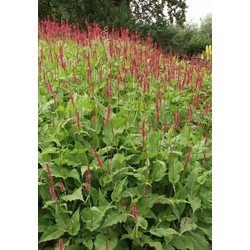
[63, 221]
[161, 232]
[199, 241]
[141, 222]
[74, 247]
[73, 173]
[51, 233]
[195, 202]
[159, 171]
[88, 243]
[100, 242]
[83, 170]
[76, 223]
[153, 144]
[116, 194]
[76, 195]
[93, 216]
[174, 170]
[113, 218]
[188, 226]
[148, 240]
[181, 243]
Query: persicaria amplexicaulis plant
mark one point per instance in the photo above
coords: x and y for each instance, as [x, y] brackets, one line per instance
[124, 142]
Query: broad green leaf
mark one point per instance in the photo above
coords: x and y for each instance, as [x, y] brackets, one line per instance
[93, 216]
[180, 243]
[73, 173]
[88, 243]
[158, 171]
[141, 222]
[187, 225]
[174, 170]
[76, 195]
[161, 232]
[148, 240]
[116, 195]
[153, 144]
[113, 218]
[51, 233]
[63, 221]
[195, 203]
[83, 170]
[74, 247]
[76, 223]
[101, 239]
[199, 241]
[43, 224]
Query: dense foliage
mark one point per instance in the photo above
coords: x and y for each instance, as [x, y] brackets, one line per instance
[124, 143]
[165, 20]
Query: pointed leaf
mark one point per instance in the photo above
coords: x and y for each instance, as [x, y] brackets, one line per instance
[76, 195]
[51, 233]
[113, 218]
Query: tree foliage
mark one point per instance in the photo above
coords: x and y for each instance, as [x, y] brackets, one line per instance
[141, 11]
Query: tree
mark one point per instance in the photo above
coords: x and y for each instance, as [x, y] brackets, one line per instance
[177, 11]
[104, 11]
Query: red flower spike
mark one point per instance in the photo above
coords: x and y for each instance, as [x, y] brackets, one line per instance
[72, 99]
[62, 188]
[48, 171]
[97, 157]
[134, 211]
[159, 96]
[109, 113]
[87, 186]
[78, 124]
[52, 191]
[61, 244]
[188, 157]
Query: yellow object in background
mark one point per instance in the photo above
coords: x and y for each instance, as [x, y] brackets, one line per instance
[207, 54]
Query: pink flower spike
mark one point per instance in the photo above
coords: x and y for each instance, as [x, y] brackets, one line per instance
[48, 171]
[97, 157]
[134, 211]
[62, 188]
[61, 244]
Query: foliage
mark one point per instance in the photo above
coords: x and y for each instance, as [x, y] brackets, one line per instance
[170, 30]
[124, 143]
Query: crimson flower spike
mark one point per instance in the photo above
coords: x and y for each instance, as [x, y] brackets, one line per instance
[97, 157]
[187, 158]
[78, 120]
[62, 188]
[109, 113]
[159, 94]
[134, 211]
[52, 191]
[61, 244]
[48, 171]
